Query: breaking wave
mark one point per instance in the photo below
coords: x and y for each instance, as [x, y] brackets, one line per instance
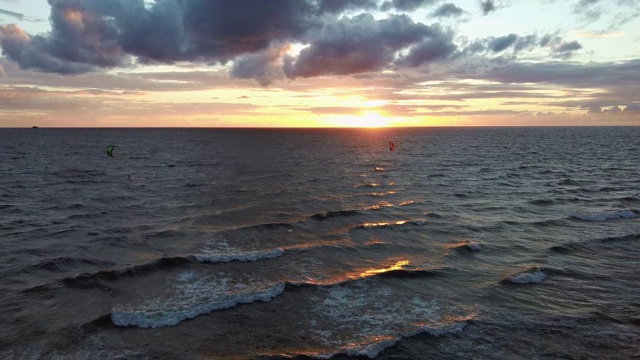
[625, 214]
[193, 295]
[530, 276]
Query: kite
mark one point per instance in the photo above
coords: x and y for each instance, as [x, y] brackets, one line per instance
[110, 150]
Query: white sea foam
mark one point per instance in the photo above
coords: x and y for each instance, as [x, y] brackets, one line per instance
[363, 320]
[529, 277]
[239, 256]
[373, 350]
[473, 246]
[220, 251]
[625, 214]
[193, 295]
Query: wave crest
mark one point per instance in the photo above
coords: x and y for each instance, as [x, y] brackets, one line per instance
[530, 276]
[193, 295]
[625, 214]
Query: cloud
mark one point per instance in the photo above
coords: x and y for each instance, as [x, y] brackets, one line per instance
[526, 42]
[564, 50]
[16, 15]
[594, 109]
[437, 45]
[631, 109]
[406, 5]
[338, 6]
[502, 43]
[29, 52]
[108, 33]
[265, 67]
[613, 110]
[220, 30]
[355, 45]
[518, 43]
[253, 38]
[487, 6]
[447, 10]
[588, 10]
[622, 76]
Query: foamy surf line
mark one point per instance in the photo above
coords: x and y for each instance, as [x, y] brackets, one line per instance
[625, 214]
[373, 350]
[193, 295]
[363, 318]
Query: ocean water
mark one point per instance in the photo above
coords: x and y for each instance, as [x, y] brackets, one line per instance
[483, 243]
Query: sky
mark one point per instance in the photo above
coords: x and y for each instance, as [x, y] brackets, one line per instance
[319, 63]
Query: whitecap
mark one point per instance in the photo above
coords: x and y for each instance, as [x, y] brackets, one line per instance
[473, 246]
[193, 295]
[383, 316]
[220, 251]
[625, 214]
[529, 277]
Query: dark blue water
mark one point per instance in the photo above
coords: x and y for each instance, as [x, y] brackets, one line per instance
[490, 243]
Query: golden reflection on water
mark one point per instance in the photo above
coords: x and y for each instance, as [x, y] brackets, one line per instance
[398, 266]
[384, 223]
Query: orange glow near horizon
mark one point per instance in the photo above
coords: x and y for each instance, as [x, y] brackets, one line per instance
[272, 108]
[367, 119]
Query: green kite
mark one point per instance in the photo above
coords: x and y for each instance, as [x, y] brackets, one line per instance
[110, 150]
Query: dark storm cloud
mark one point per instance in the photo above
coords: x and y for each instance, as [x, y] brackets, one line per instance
[447, 10]
[77, 37]
[355, 45]
[12, 14]
[487, 7]
[91, 34]
[222, 29]
[30, 52]
[106, 33]
[406, 5]
[264, 67]
[87, 35]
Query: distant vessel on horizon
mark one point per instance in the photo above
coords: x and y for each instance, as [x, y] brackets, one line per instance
[34, 127]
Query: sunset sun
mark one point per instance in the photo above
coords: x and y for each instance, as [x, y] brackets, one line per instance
[367, 119]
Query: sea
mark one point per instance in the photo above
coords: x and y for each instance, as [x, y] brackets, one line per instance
[462, 243]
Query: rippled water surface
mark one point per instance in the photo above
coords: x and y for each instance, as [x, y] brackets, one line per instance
[489, 243]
